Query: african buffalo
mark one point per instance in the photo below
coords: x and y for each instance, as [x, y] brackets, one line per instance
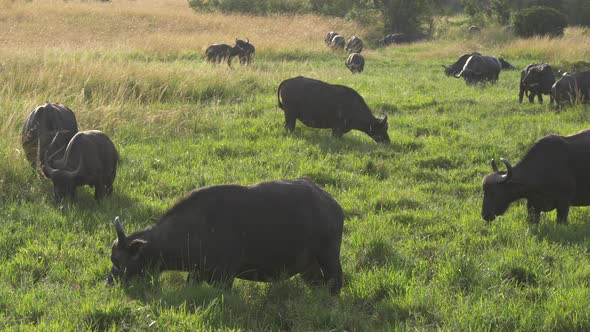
[248, 51]
[456, 67]
[473, 29]
[337, 42]
[90, 159]
[263, 232]
[572, 88]
[480, 68]
[536, 80]
[355, 62]
[355, 45]
[329, 36]
[403, 38]
[217, 53]
[321, 105]
[552, 175]
[40, 127]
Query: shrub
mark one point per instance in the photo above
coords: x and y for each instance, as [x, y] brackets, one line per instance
[539, 21]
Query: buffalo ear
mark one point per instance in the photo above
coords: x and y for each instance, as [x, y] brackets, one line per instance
[135, 248]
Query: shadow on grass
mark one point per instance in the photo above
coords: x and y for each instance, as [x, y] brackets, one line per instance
[564, 234]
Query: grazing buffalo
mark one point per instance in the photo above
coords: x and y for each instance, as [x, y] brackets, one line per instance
[248, 51]
[263, 232]
[552, 175]
[40, 127]
[321, 105]
[403, 38]
[572, 88]
[217, 53]
[337, 42]
[355, 62]
[355, 45]
[456, 67]
[473, 29]
[329, 36]
[536, 80]
[480, 68]
[90, 159]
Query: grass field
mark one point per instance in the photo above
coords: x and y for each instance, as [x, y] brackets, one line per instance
[416, 253]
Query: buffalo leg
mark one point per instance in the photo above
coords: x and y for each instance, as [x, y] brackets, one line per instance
[330, 263]
[220, 278]
[290, 121]
[551, 100]
[99, 191]
[562, 213]
[313, 276]
[520, 94]
[534, 213]
[540, 98]
[337, 132]
[532, 97]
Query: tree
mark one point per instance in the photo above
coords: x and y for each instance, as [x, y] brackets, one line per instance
[409, 16]
[539, 21]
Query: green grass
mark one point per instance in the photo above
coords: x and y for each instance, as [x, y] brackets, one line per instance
[416, 253]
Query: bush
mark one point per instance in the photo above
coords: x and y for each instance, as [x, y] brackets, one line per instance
[539, 21]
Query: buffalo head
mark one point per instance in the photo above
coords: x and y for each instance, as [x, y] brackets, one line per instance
[126, 256]
[497, 192]
[64, 181]
[378, 131]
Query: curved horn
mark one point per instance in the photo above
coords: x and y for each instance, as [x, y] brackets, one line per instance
[74, 173]
[247, 40]
[384, 120]
[494, 166]
[508, 168]
[236, 38]
[120, 232]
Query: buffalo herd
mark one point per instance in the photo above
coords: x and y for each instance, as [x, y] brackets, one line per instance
[281, 228]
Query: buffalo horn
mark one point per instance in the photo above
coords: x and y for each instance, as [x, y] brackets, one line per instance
[247, 40]
[74, 173]
[384, 120]
[494, 166]
[508, 168]
[120, 231]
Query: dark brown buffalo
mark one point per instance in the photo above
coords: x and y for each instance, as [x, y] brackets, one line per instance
[473, 29]
[322, 105]
[403, 38]
[90, 158]
[572, 88]
[456, 67]
[355, 63]
[329, 36]
[262, 232]
[354, 45]
[337, 42]
[552, 175]
[218, 53]
[41, 125]
[248, 51]
[536, 80]
[480, 68]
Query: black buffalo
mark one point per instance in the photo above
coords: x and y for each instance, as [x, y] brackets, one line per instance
[473, 29]
[337, 42]
[552, 175]
[321, 105]
[248, 51]
[262, 232]
[90, 158]
[329, 36]
[536, 80]
[403, 38]
[456, 67]
[481, 68]
[355, 45]
[355, 62]
[572, 88]
[218, 53]
[41, 125]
